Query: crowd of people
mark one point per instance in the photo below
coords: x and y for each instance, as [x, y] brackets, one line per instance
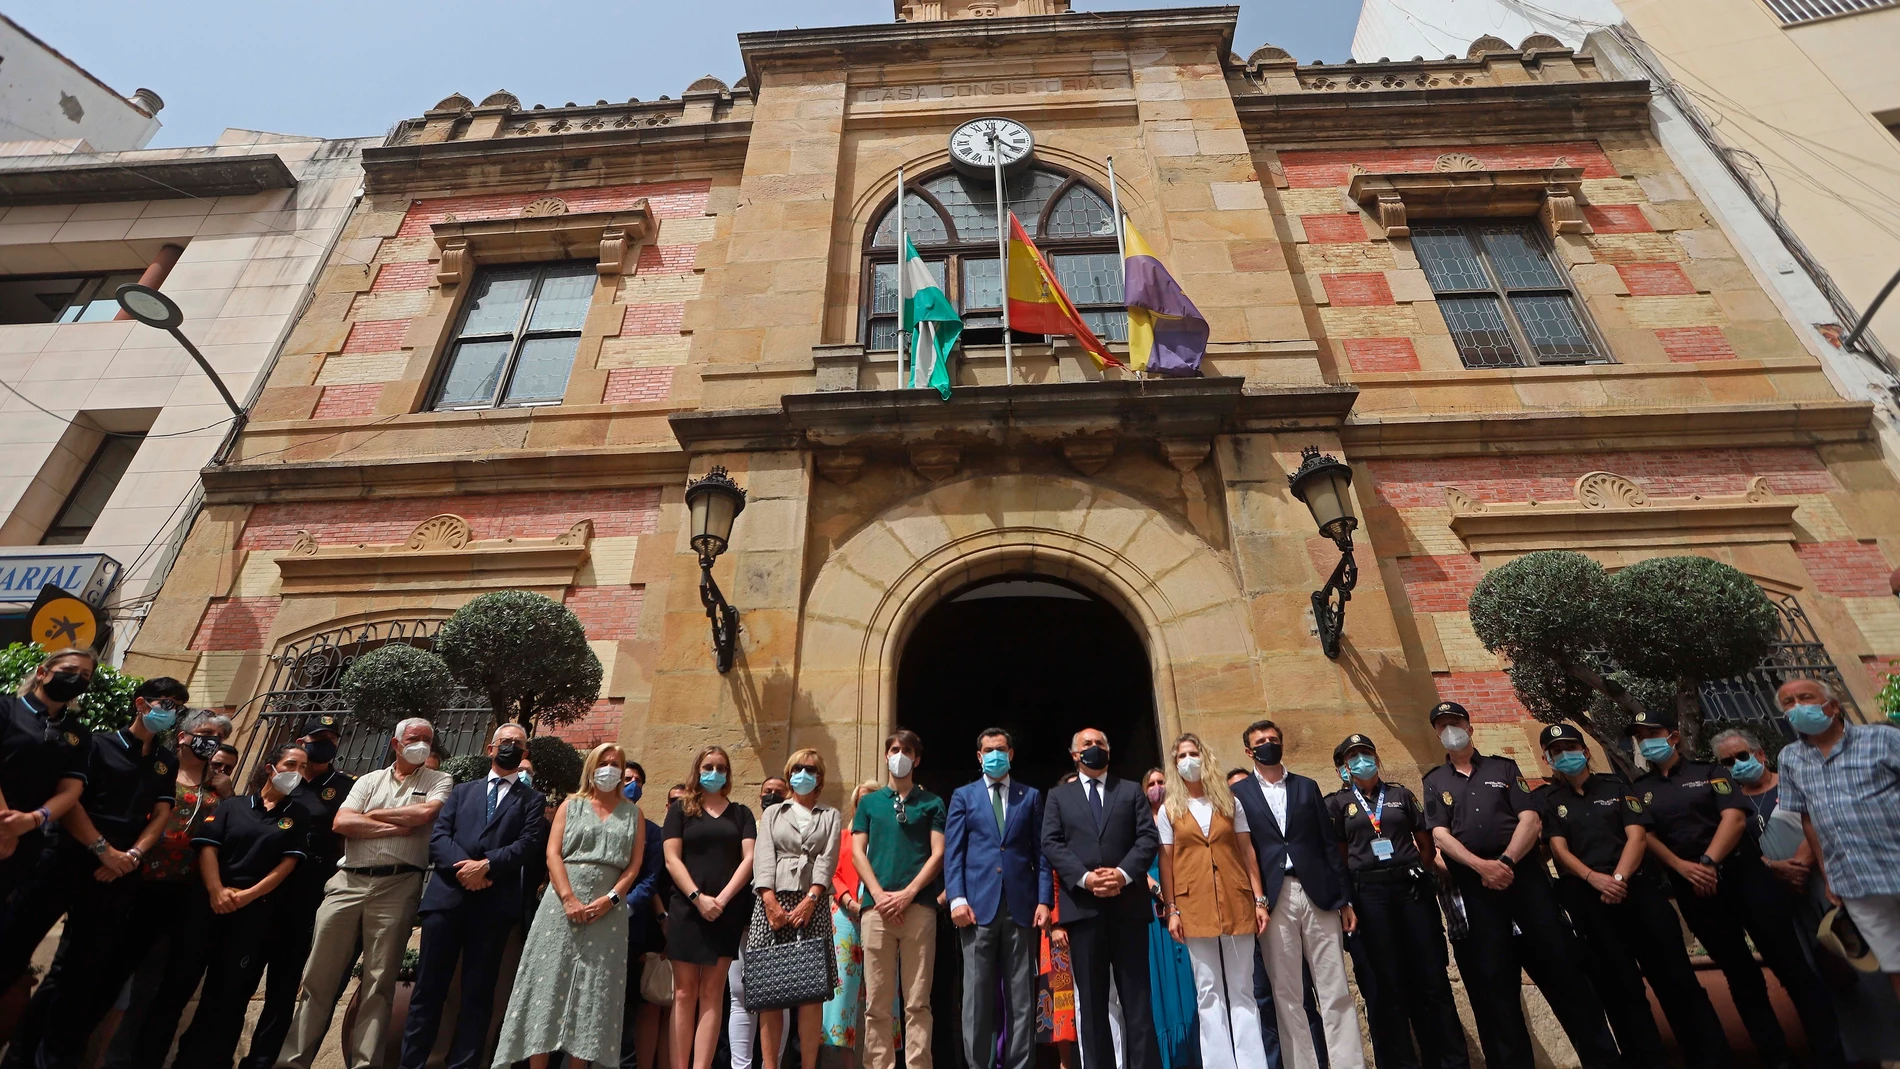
[1201, 915]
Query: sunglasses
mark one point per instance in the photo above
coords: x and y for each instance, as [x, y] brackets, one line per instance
[1735, 760]
[796, 769]
[903, 817]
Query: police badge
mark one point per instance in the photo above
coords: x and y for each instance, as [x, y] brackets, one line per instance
[1448, 800]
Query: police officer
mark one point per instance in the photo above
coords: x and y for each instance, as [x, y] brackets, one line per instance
[1596, 828]
[1726, 895]
[44, 757]
[320, 795]
[1381, 829]
[1484, 820]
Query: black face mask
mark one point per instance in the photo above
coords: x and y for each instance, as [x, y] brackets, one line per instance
[771, 798]
[1095, 758]
[321, 751]
[65, 686]
[1267, 753]
[205, 747]
[508, 756]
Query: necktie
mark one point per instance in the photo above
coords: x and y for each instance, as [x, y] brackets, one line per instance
[494, 796]
[1095, 800]
[996, 805]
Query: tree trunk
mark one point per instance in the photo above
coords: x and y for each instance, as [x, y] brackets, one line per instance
[1689, 717]
[1588, 723]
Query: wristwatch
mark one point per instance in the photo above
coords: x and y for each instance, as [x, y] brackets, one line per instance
[1617, 876]
[99, 846]
[1706, 860]
[694, 897]
[1260, 900]
[614, 897]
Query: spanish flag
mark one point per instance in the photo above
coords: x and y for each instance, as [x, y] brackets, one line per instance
[1037, 304]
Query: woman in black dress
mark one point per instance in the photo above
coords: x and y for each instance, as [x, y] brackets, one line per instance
[708, 843]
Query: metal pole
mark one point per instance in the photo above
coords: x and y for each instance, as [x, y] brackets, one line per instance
[1868, 316]
[900, 280]
[1002, 248]
[236, 410]
[1121, 245]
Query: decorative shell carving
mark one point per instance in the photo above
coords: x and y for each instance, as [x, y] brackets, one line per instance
[501, 98]
[453, 102]
[1541, 41]
[1487, 43]
[576, 535]
[1269, 54]
[447, 531]
[708, 84]
[304, 546]
[1608, 490]
[1759, 490]
[1457, 161]
[544, 207]
[1462, 504]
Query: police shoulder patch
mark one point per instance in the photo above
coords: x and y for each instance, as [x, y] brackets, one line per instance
[1649, 797]
[284, 823]
[1563, 811]
[1635, 806]
[161, 767]
[1352, 809]
[1448, 800]
[1721, 786]
[71, 739]
[329, 793]
[1522, 785]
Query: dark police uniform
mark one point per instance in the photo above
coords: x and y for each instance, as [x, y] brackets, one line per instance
[302, 894]
[125, 785]
[35, 755]
[1481, 811]
[251, 841]
[1636, 938]
[1686, 807]
[1404, 942]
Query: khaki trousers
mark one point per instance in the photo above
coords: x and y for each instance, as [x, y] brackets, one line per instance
[380, 910]
[1300, 935]
[897, 956]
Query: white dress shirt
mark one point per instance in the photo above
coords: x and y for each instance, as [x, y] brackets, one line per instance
[1099, 780]
[1275, 790]
[508, 783]
[989, 792]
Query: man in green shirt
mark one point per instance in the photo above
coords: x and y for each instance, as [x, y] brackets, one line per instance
[897, 847]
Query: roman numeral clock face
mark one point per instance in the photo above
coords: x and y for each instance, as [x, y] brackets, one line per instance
[978, 144]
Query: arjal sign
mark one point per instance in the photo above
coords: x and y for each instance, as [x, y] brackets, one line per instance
[86, 576]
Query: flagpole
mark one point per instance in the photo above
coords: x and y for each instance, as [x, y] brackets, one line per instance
[900, 278]
[1121, 244]
[1002, 248]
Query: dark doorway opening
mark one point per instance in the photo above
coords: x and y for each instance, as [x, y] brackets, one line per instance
[1044, 660]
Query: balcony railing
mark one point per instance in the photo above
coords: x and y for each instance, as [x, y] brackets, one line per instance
[1794, 12]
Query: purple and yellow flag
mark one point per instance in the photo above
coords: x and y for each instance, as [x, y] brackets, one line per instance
[1166, 333]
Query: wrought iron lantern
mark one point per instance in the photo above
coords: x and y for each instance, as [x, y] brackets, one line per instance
[713, 503]
[1325, 486]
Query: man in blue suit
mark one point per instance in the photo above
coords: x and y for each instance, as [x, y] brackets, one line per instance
[488, 831]
[1304, 877]
[1000, 893]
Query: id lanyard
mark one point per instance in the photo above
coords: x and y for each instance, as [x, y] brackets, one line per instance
[1372, 814]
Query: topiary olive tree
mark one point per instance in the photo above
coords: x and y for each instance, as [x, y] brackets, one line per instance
[468, 767]
[394, 682]
[527, 653]
[557, 765]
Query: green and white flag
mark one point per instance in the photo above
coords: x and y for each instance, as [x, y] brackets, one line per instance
[926, 314]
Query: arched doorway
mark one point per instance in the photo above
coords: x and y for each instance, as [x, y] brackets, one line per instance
[1043, 659]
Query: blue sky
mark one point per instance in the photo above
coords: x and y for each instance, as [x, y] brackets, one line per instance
[343, 68]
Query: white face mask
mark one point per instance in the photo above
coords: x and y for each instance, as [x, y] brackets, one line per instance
[900, 764]
[416, 753]
[1455, 737]
[607, 778]
[1189, 768]
[285, 782]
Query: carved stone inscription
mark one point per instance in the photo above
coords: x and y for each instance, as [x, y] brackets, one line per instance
[877, 94]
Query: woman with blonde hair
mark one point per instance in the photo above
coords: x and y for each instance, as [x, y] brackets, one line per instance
[572, 982]
[791, 871]
[709, 845]
[1210, 884]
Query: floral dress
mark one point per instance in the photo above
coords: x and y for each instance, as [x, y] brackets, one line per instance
[844, 1011]
[172, 858]
[1055, 990]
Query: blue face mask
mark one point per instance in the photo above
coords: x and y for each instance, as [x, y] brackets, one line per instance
[1571, 762]
[996, 764]
[632, 790]
[526, 779]
[714, 781]
[1361, 766]
[1809, 719]
[1747, 770]
[1656, 751]
[1344, 775]
[160, 718]
[804, 782]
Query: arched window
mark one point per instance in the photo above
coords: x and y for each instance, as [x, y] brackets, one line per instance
[951, 218]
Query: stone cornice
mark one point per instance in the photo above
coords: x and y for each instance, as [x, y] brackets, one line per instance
[440, 554]
[442, 476]
[59, 181]
[567, 158]
[1608, 511]
[1535, 109]
[792, 50]
[1450, 434]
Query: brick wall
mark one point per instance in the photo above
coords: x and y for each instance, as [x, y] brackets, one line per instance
[1487, 696]
[1654, 280]
[1846, 569]
[541, 514]
[353, 400]
[1357, 288]
[1333, 229]
[1617, 219]
[1684, 344]
[666, 259]
[601, 724]
[629, 384]
[1421, 483]
[412, 275]
[236, 624]
[608, 612]
[376, 336]
[1380, 354]
[1439, 583]
[652, 318]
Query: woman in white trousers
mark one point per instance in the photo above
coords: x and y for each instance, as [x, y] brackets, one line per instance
[1210, 882]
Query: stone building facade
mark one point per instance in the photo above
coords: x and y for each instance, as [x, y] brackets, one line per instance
[1479, 281]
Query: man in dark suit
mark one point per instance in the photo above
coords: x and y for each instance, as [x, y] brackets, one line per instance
[487, 832]
[998, 883]
[1099, 837]
[1304, 877]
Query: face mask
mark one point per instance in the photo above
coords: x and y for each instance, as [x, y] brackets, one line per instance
[996, 764]
[508, 756]
[65, 686]
[631, 790]
[1570, 762]
[1157, 794]
[1455, 738]
[285, 782]
[1655, 751]
[526, 779]
[204, 747]
[768, 799]
[714, 781]
[415, 753]
[1806, 719]
[1189, 768]
[1344, 775]
[1267, 753]
[323, 751]
[804, 782]
[160, 719]
[1748, 770]
[606, 778]
[900, 764]
[1361, 766]
[1095, 757]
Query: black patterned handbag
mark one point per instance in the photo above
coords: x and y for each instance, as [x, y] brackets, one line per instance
[791, 966]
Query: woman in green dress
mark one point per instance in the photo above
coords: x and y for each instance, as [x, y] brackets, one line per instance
[572, 983]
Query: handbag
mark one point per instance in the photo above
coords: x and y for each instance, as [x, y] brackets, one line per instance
[656, 980]
[783, 972]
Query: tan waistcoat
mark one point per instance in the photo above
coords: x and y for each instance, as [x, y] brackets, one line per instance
[1210, 880]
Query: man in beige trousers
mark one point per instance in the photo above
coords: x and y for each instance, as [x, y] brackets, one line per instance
[897, 847]
[385, 823]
